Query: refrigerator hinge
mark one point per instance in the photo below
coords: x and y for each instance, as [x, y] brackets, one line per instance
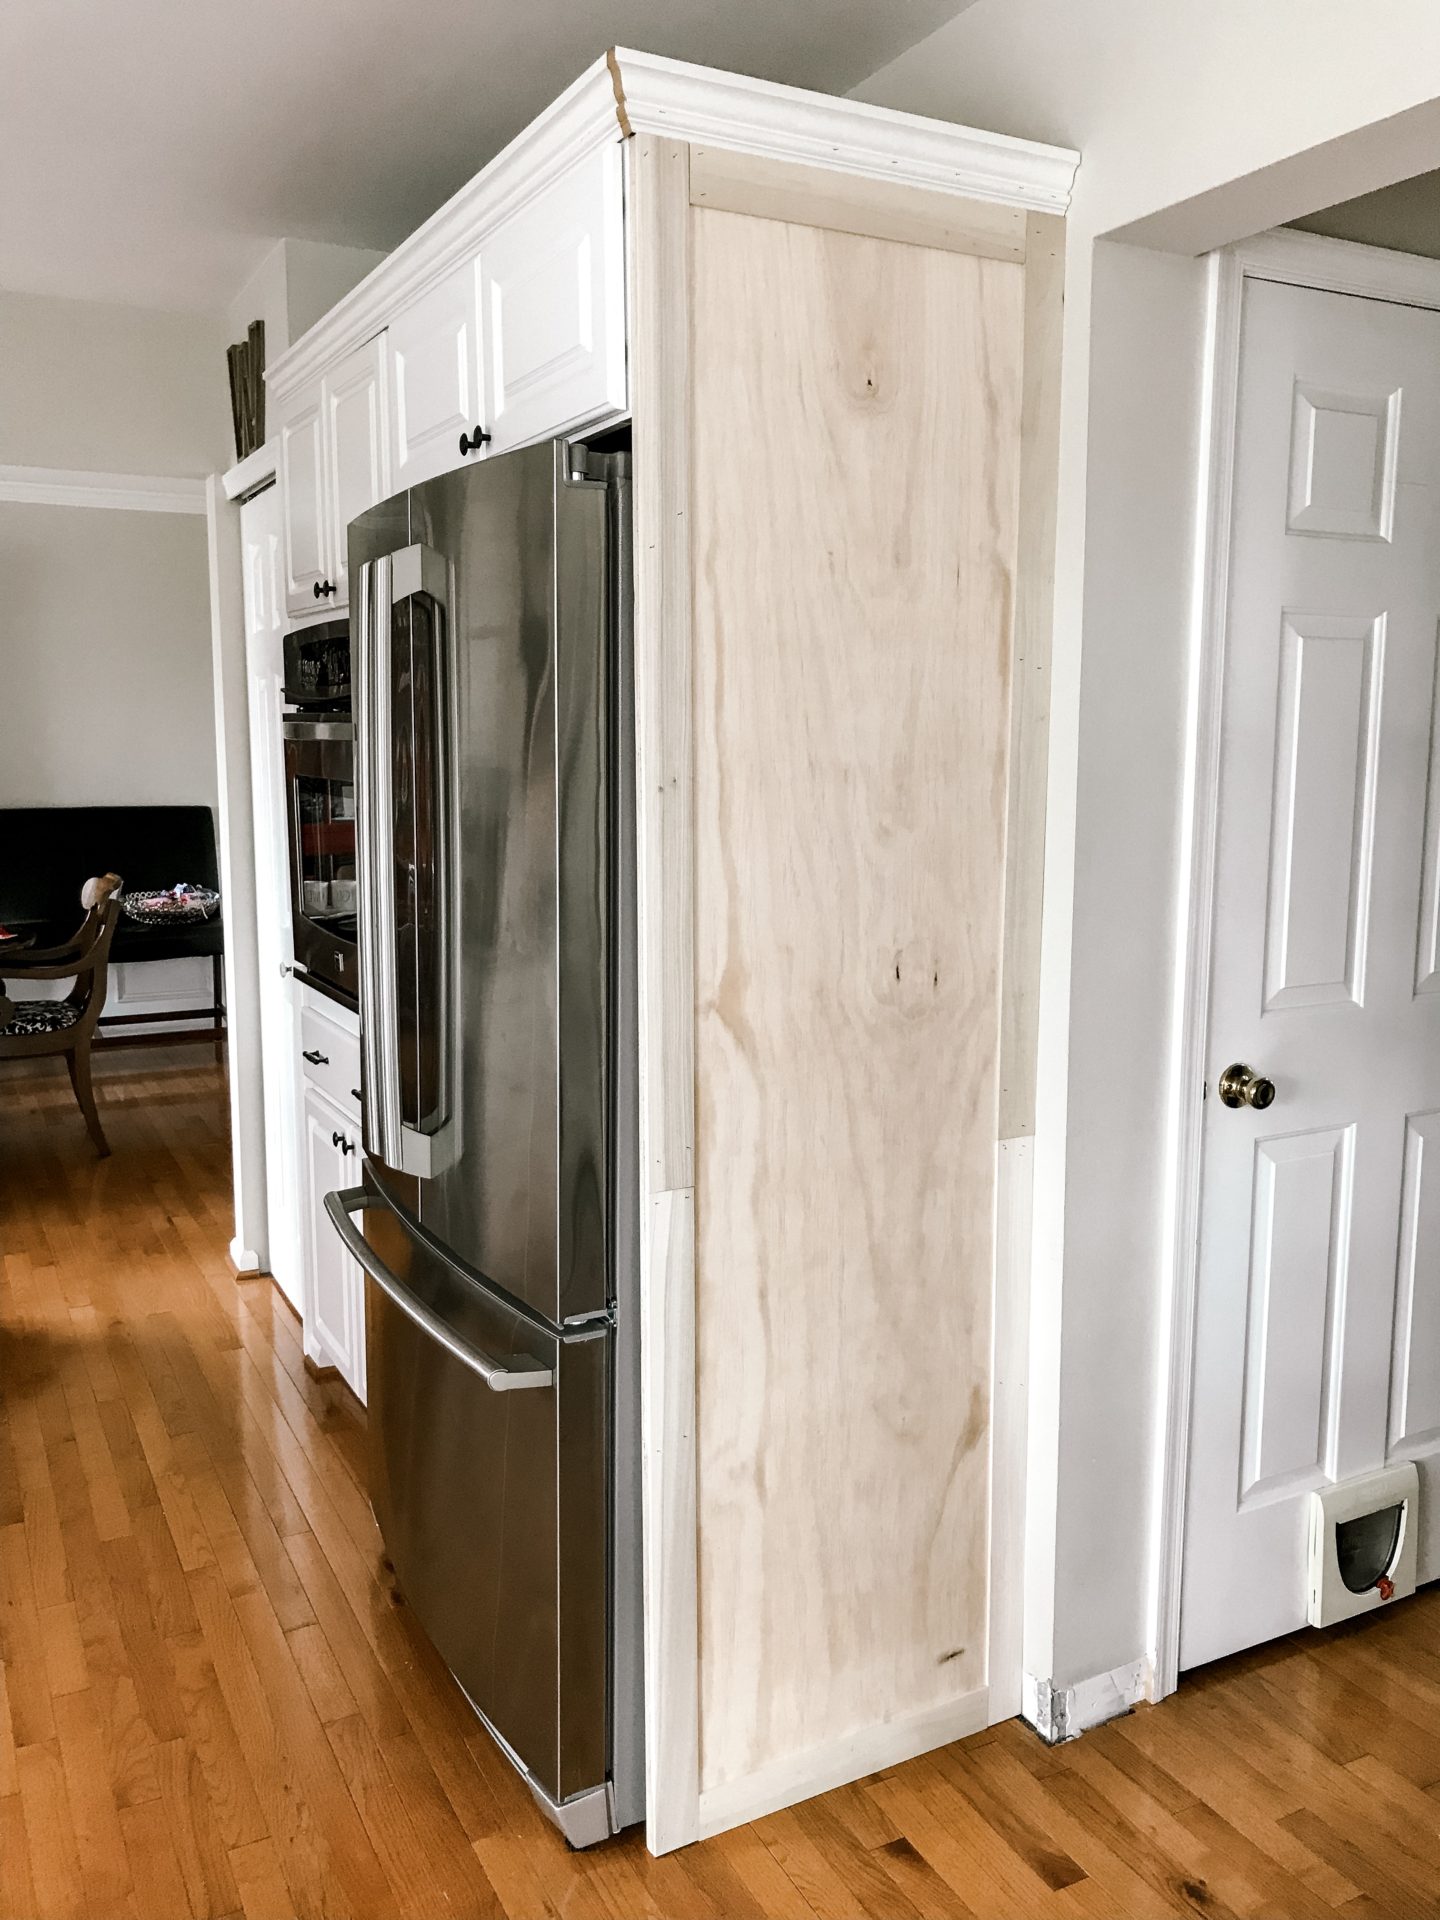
[583, 1322]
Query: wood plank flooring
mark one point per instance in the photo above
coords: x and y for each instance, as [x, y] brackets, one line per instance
[212, 1707]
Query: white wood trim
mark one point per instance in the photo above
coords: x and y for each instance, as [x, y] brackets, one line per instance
[658, 251]
[707, 106]
[627, 92]
[802, 1775]
[1064, 1713]
[235, 835]
[1334, 266]
[1010, 1373]
[1300, 259]
[79, 487]
[254, 473]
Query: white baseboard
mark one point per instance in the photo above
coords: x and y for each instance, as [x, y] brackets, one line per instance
[1064, 1713]
[800, 1776]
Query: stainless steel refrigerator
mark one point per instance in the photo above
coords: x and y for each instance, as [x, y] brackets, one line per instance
[496, 1221]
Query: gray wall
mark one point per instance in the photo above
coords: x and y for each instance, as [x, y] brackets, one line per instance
[105, 674]
[105, 677]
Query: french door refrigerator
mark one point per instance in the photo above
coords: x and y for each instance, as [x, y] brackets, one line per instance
[496, 1221]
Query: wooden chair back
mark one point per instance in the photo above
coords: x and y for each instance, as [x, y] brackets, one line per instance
[86, 955]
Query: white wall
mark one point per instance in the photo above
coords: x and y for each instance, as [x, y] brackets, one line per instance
[116, 389]
[104, 658]
[104, 614]
[1198, 122]
[105, 677]
[296, 283]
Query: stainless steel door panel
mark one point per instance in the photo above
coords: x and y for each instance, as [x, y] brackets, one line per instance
[493, 1507]
[520, 1196]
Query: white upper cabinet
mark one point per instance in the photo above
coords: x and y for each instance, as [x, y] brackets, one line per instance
[551, 293]
[333, 465]
[433, 385]
[302, 479]
[359, 462]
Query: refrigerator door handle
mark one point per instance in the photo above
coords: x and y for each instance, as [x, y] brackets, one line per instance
[375, 823]
[499, 1376]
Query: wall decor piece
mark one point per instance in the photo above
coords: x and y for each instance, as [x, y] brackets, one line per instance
[247, 389]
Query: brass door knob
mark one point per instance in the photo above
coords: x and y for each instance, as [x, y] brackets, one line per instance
[1239, 1087]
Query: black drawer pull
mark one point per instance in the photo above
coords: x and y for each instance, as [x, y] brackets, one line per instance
[315, 1057]
[339, 1140]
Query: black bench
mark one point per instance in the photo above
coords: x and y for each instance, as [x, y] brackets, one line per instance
[48, 853]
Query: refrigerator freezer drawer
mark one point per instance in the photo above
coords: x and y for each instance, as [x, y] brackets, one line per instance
[493, 1504]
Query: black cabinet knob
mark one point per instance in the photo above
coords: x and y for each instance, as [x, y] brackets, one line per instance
[315, 1057]
[323, 589]
[339, 1140]
[316, 589]
[472, 442]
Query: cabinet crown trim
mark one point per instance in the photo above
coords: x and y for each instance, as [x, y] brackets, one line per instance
[627, 92]
[704, 105]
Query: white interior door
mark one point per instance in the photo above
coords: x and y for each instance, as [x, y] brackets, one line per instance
[1318, 1313]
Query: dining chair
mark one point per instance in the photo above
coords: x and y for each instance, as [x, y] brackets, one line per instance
[33, 1027]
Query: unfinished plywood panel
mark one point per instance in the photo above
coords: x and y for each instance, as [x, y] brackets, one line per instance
[855, 435]
[851, 203]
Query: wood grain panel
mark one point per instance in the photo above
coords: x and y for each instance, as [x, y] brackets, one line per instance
[1030, 702]
[731, 182]
[854, 452]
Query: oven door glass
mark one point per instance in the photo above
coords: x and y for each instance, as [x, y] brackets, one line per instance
[322, 823]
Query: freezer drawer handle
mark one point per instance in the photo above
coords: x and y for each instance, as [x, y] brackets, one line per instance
[500, 1379]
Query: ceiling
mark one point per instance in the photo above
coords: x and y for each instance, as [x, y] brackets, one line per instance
[151, 150]
[1405, 217]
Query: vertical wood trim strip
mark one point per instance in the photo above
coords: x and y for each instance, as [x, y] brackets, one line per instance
[1030, 695]
[1010, 1375]
[659, 259]
[660, 376]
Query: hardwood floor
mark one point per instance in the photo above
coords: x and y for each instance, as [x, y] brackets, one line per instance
[211, 1706]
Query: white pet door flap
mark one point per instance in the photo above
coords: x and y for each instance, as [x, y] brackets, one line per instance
[1362, 1544]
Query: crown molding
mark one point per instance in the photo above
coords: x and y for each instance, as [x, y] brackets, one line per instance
[704, 105]
[74, 487]
[627, 92]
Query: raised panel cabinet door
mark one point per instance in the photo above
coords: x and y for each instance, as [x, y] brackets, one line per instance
[433, 396]
[1318, 1277]
[551, 294]
[335, 1289]
[358, 456]
[302, 485]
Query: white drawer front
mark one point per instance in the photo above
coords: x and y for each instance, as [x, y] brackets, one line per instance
[551, 299]
[330, 1059]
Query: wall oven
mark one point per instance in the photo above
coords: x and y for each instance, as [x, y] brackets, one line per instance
[320, 797]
